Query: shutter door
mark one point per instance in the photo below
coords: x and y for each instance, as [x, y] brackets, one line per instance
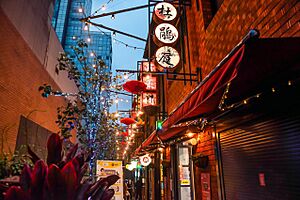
[261, 159]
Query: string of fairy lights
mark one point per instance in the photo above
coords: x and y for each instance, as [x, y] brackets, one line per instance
[128, 140]
[115, 40]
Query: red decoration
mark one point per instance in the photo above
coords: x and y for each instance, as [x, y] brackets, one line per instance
[123, 143]
[134, 86]
[125, 134]
[127, 121]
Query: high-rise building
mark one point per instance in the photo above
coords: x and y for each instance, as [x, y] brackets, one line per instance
[69, 28]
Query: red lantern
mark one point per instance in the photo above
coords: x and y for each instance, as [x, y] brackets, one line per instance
[134, 86]
[127, 121]
[125, 134]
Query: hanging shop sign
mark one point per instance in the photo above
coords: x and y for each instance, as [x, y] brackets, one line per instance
[150, 81]
[167, 57]
[112, 167]
[165, 33]
[145, 160]
[145, 66]
[165, 11]
[148, 98]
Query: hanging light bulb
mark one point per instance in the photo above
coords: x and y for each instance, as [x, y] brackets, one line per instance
[114, 34]
[125, 76]
[103, 7]
[117, 101]
[80, 10]
[113, 17]
[88, 39]
[92, 54]
[86, 27]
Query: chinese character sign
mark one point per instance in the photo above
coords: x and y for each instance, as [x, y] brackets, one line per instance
[165, 11]
[145, 66]
[166, 33]
[150, 81]
[110, 167]
[148, 99]
[167, 57]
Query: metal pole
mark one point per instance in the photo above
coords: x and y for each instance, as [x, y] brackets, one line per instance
[115, 12]
[117, 31]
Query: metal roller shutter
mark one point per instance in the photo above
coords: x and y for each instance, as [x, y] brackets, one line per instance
[261, 159]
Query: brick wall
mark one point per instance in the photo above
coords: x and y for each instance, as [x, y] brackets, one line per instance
[211, 39]
[21, 73]
[206, 147]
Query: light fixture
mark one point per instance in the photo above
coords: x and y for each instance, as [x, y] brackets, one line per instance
[103, 7]
[114, 33]
[125, 76]
[74, 37]
[113, 16]
[92, 54]
[193, 141]
[88, 39]
[190, 134]
[80, 10]
[86, 27]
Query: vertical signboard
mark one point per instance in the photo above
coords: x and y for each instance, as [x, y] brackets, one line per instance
[112, 167]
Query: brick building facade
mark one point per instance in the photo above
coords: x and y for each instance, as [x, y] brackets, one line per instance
[29, 48]
[212, 34]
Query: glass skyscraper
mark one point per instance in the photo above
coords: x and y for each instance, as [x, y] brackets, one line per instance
[69, 28]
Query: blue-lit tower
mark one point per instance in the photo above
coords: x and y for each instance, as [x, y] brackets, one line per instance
[69, 28]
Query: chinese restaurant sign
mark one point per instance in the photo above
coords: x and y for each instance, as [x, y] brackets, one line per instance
[167, 57]
[166, 33]
[111, 167]
[165, 11]
[145, 66]
[148, 99]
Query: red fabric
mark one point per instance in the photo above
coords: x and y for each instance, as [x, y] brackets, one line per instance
[134, 86]
[206, 99]
[127, 121]
[255, 66]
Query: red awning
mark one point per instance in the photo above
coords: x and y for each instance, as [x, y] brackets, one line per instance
[253, 67]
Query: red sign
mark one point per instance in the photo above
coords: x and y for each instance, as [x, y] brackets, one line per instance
[145, 66]
[150, 81]
[205, 186]
[148, 98]
[262, 181]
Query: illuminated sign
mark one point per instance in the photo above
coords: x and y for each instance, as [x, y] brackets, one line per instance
[150, 81]
[165, 11]
[167, 57]
[145, 66]
[148, 98]
[145, 160]
[166, 33]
